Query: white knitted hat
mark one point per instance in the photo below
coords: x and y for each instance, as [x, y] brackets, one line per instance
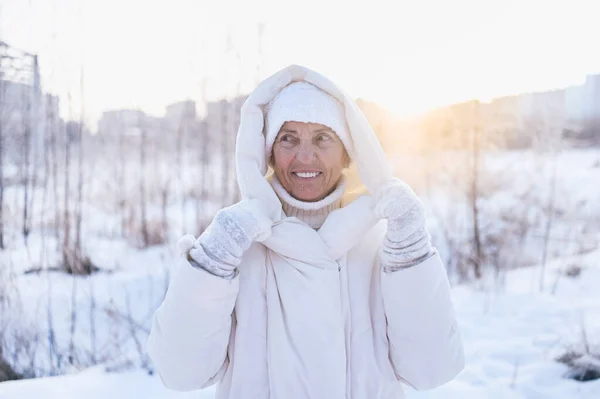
[303, 102]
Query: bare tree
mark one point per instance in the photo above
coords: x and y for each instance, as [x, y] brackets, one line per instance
[205, 162]
[49, 133]
[225, 152]
[552, 119]
[467, 131]
[68, 261]
[236, 109]
[225, 135]
[142, 185]
[179, 169]
[474, 199]
[54, 127]
[83, 266]
[2, 144]
[26, 167]
[121, 179]
[74, 261]
[45, 174]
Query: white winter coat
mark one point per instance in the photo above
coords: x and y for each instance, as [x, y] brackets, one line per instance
[310, 315]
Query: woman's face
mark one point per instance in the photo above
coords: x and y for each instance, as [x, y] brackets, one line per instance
[308, 159]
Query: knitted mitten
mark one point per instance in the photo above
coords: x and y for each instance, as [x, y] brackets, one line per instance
[407, 242]
[220, 248]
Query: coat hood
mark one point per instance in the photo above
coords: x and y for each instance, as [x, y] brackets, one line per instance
[369, 170]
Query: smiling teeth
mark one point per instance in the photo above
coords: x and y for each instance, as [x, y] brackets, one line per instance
[307, 175]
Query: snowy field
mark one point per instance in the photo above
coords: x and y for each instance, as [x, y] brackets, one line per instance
[512, 330]
[511, 339]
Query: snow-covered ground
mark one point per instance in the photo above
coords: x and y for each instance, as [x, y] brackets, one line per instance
[512, 335]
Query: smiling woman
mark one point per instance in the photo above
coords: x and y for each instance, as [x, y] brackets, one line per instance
[301, 290]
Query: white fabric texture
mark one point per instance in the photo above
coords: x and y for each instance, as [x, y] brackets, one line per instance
[315, 213]
[311, 314]
[304, 102]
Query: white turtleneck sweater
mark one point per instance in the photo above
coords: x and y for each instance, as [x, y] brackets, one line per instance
[311, 213]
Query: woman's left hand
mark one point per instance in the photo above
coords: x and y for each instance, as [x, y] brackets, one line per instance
[407, 241]
[397, 201]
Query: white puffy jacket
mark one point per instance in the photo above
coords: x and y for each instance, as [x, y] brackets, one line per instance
[311, 314]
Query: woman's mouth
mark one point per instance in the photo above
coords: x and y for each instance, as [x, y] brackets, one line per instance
[307, 175]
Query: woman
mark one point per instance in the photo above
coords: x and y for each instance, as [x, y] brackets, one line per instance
[319, 284]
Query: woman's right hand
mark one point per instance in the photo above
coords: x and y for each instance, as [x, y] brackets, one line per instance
[220, 248]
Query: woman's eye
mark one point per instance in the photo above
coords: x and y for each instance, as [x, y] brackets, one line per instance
[287, 140]
[324, 137]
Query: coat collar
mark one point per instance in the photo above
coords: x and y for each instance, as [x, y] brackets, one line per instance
[341, 231]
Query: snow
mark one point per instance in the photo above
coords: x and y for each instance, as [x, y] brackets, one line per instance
[513, 336]
[96, 384]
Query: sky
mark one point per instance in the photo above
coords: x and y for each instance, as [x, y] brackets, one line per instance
[408, 56]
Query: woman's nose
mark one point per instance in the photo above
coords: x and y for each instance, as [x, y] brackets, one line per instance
[305, 154]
